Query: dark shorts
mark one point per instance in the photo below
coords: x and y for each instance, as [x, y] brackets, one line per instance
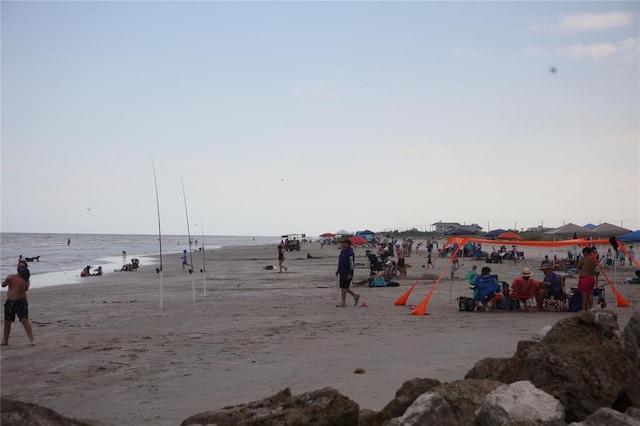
[401, 262]
[16, 307]
[344, 283]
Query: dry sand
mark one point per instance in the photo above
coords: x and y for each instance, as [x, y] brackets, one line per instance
[107, 352]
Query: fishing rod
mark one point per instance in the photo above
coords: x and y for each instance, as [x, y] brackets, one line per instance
[193, 283]
[158, 270]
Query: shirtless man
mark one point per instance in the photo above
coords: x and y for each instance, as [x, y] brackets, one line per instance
[16, 303]
[401, 253]
[587, 278]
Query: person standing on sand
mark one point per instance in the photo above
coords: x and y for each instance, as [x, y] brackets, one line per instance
[184, 259]
[281, 257]
[587, 278]
[346, 265]
[16, 303]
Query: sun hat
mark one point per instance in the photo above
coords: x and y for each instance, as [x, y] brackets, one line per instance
[526, 272]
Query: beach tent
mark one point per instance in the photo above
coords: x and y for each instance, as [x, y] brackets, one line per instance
[570, 229]
[631, 236]
[495, 232]
[459, 242]
[509, 236]
[609, 230]
[365, 232]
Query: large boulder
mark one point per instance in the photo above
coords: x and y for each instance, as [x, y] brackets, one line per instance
[465, 397]
[608, 417]
[16, 413]
[520, 403]
[505, 370]
[405, 396]
[428, 409]
[584, 361]
[324, 407]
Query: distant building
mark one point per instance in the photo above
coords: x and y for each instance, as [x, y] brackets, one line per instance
[444, 227]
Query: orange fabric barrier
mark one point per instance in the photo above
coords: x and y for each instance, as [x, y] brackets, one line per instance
[421, 309]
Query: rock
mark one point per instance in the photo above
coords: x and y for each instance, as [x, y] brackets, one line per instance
[607, 417]
[428, 409]
[324, 407]
[405, 396]
[633, 412]
[520, 403]
[582, 361]
[465, 397]
[631, 334]
[505, 370]
[16, 413]
[359, 371]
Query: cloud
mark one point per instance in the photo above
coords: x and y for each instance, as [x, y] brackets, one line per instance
[625, 50]
[585, 22]
[313, 89]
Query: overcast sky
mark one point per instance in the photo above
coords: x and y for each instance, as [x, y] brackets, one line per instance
[308, 117]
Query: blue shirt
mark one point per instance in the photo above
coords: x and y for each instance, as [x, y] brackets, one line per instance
[346, 263]
[554, 280]
[486, 285]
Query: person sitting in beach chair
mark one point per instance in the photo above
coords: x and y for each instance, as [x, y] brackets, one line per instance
[550, 293]
[522, 291]
[485, 287]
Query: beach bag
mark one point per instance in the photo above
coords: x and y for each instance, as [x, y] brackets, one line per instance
[378, 282]
[466, 304]
[575, 303]
[393, 284]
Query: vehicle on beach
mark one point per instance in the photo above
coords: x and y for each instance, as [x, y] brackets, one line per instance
[292, 241]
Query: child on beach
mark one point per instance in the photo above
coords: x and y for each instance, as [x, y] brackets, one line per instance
[16, 303]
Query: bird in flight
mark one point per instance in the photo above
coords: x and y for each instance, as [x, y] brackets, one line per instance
[89, 209]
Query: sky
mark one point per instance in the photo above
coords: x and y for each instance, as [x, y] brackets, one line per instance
[271, 118]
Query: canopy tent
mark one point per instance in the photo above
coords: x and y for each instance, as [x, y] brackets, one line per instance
[461, 241]
[495, 232]
[461, 231]
[631, 236]
[570, 229]
[609, 230]
[365, 232]
[589, 226]
[509, 236]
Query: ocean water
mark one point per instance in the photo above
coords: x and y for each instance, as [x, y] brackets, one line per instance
[61, 263]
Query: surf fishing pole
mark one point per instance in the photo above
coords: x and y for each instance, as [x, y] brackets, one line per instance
[204, 268]
[158, 270]
[193, 282]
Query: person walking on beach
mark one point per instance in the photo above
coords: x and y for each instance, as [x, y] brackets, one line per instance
[281, 257]
[16, 303]
[430, 260]
[586, 278]
[346, 265]
[184, 259]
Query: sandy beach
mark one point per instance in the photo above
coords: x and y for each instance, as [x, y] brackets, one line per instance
[108, 353]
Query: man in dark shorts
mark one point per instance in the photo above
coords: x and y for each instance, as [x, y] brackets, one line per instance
[16, 303]
[346, 265]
